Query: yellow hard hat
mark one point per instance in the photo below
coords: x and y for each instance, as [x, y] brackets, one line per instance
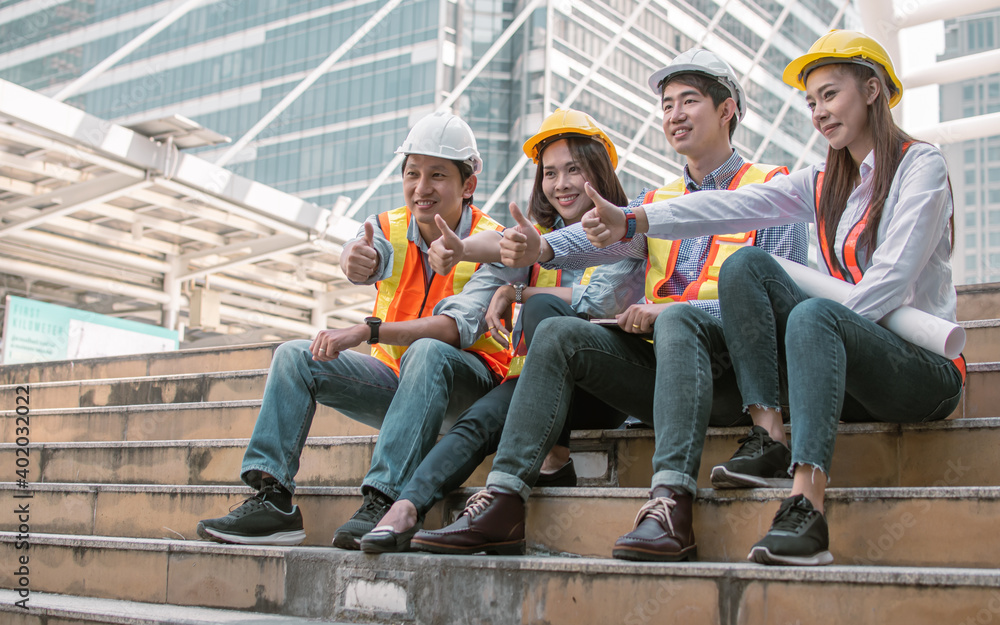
[845, 46]
[568, 122]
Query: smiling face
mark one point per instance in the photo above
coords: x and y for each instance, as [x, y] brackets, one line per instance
[434, 186]
[839, 106]
[562, 182]
[691, 121]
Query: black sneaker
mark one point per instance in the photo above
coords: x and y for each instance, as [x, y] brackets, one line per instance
[798, 536]
[760, 462]
[349, 535]
[257, 521]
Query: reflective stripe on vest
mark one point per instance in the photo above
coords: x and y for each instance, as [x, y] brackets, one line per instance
[850, 250]
[544, 278]
[662, 254]
[406, 295]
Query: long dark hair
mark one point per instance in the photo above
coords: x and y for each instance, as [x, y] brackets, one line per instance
[840, 169]
[592, 157]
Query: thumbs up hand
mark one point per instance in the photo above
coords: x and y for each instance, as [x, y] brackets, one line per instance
[447, 250]
[605, 223]
[360, 258]
[521, 244]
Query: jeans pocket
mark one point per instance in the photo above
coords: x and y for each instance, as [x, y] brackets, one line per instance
[945, 408]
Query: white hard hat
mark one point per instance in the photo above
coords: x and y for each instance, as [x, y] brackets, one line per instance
[702, 62]
[444, 135]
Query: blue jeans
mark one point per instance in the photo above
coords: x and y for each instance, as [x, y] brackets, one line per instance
[477, 432]
[836, 364]
[435, 380]
[623, 370]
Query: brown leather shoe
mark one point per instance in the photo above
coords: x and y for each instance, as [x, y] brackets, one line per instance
[662, 530]
[492, 522]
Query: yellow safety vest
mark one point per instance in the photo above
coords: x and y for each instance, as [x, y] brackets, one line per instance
[663, 253]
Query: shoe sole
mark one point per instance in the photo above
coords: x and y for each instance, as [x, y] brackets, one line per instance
[515, 548]
[295, 537]
[648, 555]
[762, 555]
[723, 478]
[346, 540]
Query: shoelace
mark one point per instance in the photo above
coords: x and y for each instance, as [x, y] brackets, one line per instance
[253, 502]
[658, 508]
[792, 517]
[477, 503]
[750, 445]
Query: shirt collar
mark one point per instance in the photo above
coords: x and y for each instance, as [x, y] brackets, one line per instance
[719, 178]
[867, 165]
[464, 228]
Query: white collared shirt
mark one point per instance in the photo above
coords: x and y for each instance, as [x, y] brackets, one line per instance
[911, 264]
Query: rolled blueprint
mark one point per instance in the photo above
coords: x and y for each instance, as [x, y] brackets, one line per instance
[920, 328]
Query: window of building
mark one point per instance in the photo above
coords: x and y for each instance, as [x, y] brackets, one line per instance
[970, 156]
[994, 174]
[994, 153]
[970, 219]
[970, 176]
[994, 89]
[970, 198]
[970, 263]
[968, 92]
[994, 196]
[995, 239]
[994, 217]
[970, 240]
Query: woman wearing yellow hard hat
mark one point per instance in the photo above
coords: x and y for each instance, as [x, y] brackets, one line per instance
[883, 211]
[570, 150]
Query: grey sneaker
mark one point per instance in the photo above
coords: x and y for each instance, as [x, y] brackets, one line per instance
[256, 521]
[374, 507]
[798, 536]
[760, 462]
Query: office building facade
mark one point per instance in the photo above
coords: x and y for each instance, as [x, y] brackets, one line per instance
[227, 63]
[974, 164]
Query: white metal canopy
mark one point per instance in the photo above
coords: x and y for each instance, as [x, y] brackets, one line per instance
[98, 216]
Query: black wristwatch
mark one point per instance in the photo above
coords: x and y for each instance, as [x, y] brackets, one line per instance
[373, 324]
[518, 291]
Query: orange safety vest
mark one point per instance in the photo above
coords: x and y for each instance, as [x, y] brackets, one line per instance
[539, 277]
[406, 294]
[850, 252]
[663, 253]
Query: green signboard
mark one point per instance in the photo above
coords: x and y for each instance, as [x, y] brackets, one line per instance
[36, 332]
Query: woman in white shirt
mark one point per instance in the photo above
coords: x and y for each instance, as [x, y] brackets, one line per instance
[886, 201]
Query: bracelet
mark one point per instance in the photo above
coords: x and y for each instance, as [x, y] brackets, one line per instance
[629, 225]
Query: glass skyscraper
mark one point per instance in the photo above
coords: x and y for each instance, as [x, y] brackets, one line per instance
[974, 164]
[227, 63]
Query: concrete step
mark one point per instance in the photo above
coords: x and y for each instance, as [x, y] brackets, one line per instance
[424, 589]
[889, 526]
[982, 340]
[955, 452]
[235, 418]
[165, 389]
[158, 422]
[203, 360]
[978, 301]
[44, 608]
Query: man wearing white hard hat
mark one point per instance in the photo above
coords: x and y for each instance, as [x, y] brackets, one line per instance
[429, 354]
[702, 103]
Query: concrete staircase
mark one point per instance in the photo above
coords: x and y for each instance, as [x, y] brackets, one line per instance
[127, 454]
